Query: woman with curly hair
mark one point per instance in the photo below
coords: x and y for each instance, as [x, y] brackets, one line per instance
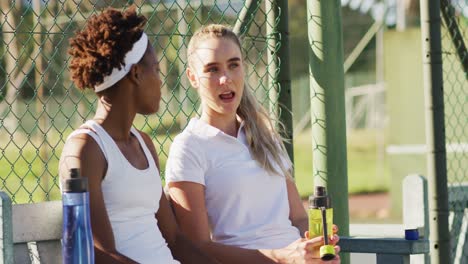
[131, 219]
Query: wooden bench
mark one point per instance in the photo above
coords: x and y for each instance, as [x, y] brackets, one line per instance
[30, 233]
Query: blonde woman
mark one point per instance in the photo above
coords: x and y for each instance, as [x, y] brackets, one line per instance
[228, 173]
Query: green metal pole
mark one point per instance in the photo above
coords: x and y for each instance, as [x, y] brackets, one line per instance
[439, 234]
[182, 29]
[284, 75]
[362, 44]
[272, 68]
[457, 37]
[246, 16]
[328, 106]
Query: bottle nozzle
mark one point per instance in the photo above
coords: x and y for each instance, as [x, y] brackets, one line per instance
[75, 183]
[320, 198]
[320, 191]
[74, 173]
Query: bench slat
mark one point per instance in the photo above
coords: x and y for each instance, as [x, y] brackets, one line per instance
[6, 231]
[37, 222]
[392, 259]
[22, 253]
[383, 245]
[50, 251]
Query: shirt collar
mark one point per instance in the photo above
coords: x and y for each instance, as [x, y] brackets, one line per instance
[201, 128]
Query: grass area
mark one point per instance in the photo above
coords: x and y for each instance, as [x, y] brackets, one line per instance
[29, 168]
[366, 173]
[27, 174]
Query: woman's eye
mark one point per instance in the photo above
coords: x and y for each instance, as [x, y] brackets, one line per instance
[234, 65]
[212, 69]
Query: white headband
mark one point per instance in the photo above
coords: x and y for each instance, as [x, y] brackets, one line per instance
[132, 57]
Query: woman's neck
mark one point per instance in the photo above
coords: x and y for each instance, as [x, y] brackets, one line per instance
[229, 125]
[115, 118]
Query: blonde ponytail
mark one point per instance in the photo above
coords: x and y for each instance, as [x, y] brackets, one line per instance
[265, 143]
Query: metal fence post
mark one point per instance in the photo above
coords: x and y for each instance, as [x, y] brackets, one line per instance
[435, 132]
[284, 75]
[272, 57]
[328, 105]
[456, 35]
[182, 28]
[246, 16]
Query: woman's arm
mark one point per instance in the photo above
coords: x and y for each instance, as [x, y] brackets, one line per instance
[189, 204]
[182, 249]
[297, 213]
[82, 152]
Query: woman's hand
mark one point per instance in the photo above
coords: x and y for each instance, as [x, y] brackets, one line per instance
[331, 239]
[305, 251]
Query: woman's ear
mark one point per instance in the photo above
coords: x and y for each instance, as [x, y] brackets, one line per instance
[135, 73]
[192, 77]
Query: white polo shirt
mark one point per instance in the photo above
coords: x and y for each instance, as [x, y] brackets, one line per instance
[247, 206]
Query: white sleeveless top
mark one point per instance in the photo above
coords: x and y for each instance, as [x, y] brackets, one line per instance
[132, 198]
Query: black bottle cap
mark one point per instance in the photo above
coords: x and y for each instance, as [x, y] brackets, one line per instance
[76, 183]
[320, 198]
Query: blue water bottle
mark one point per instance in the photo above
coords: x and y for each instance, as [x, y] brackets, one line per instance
[77, 237]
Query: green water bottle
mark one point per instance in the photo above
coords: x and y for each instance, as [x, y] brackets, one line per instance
[321, 220]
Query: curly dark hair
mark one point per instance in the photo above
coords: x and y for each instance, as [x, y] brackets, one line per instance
[102, 45]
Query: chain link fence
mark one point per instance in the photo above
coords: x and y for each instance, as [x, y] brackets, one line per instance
[39, 106]
[454, 17]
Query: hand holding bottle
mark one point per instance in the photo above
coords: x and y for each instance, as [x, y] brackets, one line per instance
[333, 239]
[321, 222]
[307, 250]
